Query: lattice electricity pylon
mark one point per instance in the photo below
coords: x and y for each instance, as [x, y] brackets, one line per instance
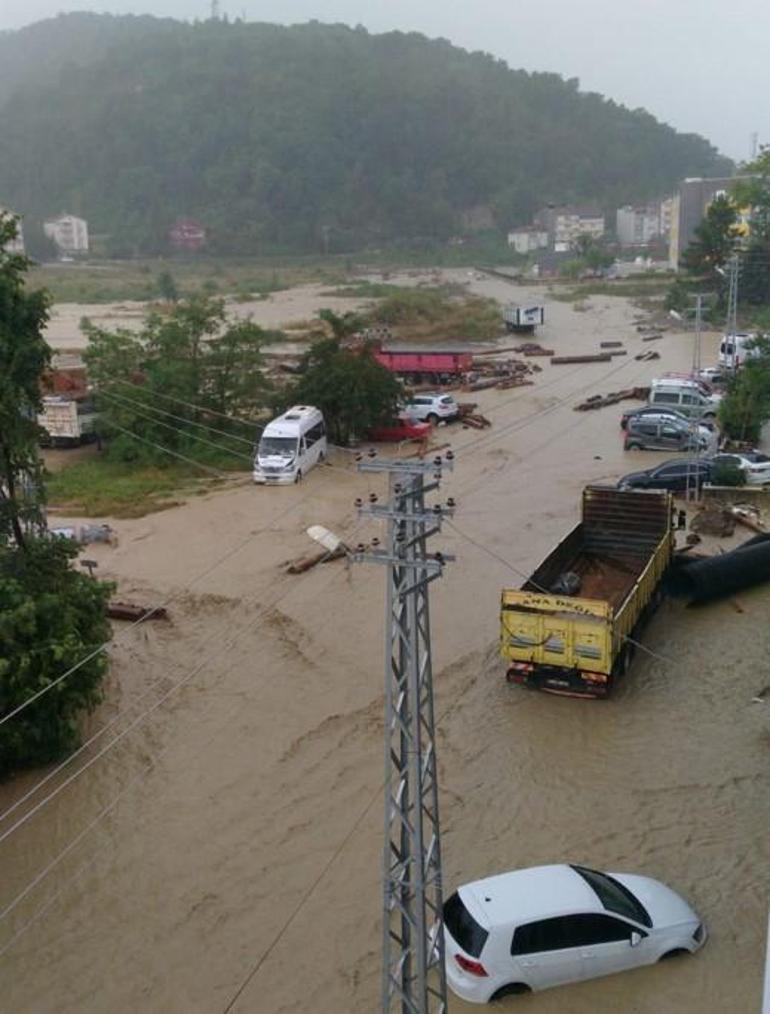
[413, 973]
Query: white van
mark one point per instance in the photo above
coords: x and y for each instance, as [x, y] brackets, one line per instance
[736, 349]
[290, 445]
[685, 396]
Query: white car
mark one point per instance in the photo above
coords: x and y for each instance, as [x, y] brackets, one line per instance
[755, 466]
[432, 408]
[549, 925]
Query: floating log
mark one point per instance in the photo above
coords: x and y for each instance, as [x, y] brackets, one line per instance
[610, 345]
[602, 357]
[134, 613]
[651, 337]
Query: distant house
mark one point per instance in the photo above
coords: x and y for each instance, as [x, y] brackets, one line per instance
[187, 234]
[68, 232]
[528, 239]
[565, 224]
[16, 246]
[638, 226]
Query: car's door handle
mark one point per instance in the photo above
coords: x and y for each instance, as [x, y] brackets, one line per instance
[587, 954]
[529, 964]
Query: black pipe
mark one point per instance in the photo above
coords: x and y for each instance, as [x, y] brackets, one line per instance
[718, 576]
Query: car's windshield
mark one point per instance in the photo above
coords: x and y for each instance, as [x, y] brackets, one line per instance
[282, 447]
[614, 896]
[463, 927]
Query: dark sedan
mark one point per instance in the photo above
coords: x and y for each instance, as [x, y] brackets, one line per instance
[654, 413]
[675, 476]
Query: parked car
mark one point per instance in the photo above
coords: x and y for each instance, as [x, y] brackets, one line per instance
[658, 414]
[686, 396]
[665, 435]
[402, 428]
[432, 408]
[673, 475]
[549, 925]
[754, 465]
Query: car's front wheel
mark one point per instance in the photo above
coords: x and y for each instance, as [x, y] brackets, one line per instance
[633, 446]
[511, 989]
[677, 952]
[433, 419]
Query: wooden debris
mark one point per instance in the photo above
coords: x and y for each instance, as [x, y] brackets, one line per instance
[602, 401]
[476, 422]
[533, 349]
[305, 563]
[747, 519]
[610, 345]
[134, 613]
[602, 357]
[651, 337]
[644, 357]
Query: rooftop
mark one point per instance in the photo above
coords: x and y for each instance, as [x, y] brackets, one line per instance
[523, 895]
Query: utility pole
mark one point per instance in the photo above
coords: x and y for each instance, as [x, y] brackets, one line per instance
[732, 303]
[413, 972]
[692, 492]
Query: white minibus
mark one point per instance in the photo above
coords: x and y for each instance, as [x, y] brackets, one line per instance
[736, 349]
[290, 445]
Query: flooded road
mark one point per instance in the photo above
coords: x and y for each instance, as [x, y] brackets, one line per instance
[225, 853]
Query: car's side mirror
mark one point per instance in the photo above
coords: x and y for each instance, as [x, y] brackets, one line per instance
[636, 939]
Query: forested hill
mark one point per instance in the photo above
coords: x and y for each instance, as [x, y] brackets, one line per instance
[276, 138]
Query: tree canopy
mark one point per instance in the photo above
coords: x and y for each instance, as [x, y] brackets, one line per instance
[309, 137]
[354, 391]
[51, 616]
[161, 389]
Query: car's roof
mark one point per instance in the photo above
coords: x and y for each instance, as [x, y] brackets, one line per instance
[523, 895]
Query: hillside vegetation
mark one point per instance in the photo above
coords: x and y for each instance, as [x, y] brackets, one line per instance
[305, 138]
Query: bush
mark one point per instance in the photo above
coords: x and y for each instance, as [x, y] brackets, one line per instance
[53, 616]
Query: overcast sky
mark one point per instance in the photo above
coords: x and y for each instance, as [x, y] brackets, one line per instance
[700, 65]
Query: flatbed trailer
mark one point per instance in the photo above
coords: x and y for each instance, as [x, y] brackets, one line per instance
[613, 561]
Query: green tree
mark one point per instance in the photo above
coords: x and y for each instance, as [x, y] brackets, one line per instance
[354, 392]
[745, 408]
[51, 616]
[158, 383]
[715, 239]
[342, 325]
[24, 355]
[167, 287]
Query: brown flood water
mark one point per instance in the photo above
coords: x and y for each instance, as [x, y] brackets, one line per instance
[235, 833]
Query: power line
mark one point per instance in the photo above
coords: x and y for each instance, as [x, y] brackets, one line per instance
[150, 612]
[247, 626]
[176, 429]
[189, 422]
[525, 577]
[198, 408]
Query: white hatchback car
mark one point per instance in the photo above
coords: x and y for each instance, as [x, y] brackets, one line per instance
[755, 466]
[432, 408]
[549, 925]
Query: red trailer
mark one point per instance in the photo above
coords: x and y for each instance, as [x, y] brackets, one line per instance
[432, 367]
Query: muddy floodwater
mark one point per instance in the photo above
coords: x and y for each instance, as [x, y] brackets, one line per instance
[224, 853]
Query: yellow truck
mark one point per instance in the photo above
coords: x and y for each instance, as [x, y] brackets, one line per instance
[571, 628]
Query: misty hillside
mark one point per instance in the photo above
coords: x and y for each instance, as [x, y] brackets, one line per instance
[273, 137]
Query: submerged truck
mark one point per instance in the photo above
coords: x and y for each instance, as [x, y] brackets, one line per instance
[570, 629]
[523, 319]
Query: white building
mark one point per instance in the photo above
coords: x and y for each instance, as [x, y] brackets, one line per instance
[527, 239]
[69, 233]
[639, 226]
[564, 225]
[16, 246]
